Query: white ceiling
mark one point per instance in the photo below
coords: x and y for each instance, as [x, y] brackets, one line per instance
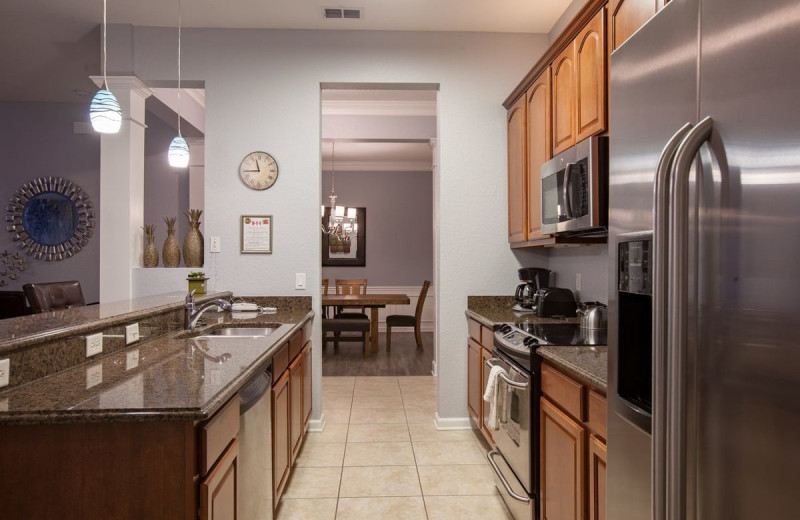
[49, 47]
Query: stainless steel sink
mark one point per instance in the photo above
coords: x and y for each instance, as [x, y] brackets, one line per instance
[241, 332]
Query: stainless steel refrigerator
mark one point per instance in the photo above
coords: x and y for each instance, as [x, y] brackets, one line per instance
[704, 240]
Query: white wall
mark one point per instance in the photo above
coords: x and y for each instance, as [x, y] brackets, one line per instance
[263, 93]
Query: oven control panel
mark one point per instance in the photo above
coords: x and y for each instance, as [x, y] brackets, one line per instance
[514, 339]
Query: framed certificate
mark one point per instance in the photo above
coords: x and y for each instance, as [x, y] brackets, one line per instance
[256, 234]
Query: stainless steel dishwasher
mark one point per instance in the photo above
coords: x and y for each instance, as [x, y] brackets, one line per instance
[254, 469]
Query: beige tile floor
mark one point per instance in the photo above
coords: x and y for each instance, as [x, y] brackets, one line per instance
[381, 457]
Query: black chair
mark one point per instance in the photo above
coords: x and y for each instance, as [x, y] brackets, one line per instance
[339, 325]
[402, 320]
[44, 297]
[12, 304]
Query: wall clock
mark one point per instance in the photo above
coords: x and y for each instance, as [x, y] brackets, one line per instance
[258, 170]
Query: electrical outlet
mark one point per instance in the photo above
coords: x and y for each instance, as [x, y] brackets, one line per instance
[213, 245]
[94, 344]
[578, 282]
[5, 372]
[94, 375]
[131, 333]
[299, 281]
[132, 359]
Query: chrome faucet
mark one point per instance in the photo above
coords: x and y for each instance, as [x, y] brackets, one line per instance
[192, 313]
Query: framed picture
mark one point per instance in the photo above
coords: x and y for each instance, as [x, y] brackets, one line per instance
[352, 252]
[255, 234]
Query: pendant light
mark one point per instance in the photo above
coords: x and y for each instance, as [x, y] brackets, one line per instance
[179, 148]
[342, 222]
[104, 111]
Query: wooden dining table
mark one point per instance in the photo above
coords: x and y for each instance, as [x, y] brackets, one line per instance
[372, 301]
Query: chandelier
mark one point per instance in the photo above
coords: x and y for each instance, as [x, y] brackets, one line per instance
[342, 222]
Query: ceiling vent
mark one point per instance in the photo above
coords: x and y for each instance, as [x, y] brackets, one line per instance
[342, 13]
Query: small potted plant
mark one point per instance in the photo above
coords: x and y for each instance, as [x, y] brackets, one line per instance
[197, 280]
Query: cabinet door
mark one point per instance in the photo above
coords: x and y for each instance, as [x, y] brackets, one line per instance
[296, 373]
[474, 381]
[218, 490]
[597, 479]
[306, 385]
[590, 66]
[626, 16]
[562, 465]
[516, 172]
[563, 93]
[540, 144]
[280, 436]
[485, 354]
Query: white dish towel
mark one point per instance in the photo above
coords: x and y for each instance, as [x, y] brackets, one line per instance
[490, 395]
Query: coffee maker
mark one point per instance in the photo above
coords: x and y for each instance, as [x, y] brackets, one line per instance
[535, 278]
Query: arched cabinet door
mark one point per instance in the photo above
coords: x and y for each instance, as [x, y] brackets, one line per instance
[517, 196]
[626, 16]
[540, 145]
[564, 99]
[590, 68]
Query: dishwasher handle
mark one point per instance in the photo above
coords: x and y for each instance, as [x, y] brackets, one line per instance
[253, 391]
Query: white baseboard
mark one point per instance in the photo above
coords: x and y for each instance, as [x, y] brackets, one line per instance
[452, 423]
[317, 425]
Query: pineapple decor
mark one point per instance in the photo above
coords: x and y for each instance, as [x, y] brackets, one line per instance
[193, 241]
[150, 255]
[171, 253]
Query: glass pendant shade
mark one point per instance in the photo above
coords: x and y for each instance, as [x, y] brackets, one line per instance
[178, 153]
[105, 112]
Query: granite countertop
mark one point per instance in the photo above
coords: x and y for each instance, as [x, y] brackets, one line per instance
[587, 364]
[26, 330]
[175, 378]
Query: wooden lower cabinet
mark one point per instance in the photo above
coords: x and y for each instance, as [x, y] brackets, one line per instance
[218, 490]
[281, 447]
[485, 354]
[474, 394]
[291, 411]
[296, 374]
[562, 465]
[597, 479]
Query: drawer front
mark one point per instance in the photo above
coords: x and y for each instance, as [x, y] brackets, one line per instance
[474, 330]
[597, 414]
[295, 345]
[217, 433]
[280, 362]
[563, 391]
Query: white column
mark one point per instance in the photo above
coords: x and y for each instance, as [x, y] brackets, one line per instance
[197, 174]
[122, 190]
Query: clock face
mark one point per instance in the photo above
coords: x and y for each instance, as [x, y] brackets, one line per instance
[258, 170]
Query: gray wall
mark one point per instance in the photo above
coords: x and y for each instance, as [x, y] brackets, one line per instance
[399, 225]
[166, 189]
[563, 21]
[37, 140]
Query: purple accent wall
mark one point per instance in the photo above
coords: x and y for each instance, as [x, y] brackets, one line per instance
[166, 189]
[399, 225]
[37, 140]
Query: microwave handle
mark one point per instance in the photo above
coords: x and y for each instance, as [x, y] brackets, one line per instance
[565, 190]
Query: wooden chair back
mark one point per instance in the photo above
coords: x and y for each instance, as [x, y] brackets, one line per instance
[354, 286]
[324, 287]
[423, 293]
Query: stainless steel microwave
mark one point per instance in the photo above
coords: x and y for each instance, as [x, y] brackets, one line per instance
[575, 190]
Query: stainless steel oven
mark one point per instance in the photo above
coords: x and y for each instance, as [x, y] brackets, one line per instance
[575, 189]
[513, 461]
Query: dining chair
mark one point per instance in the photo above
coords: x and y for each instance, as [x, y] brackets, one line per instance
[43, 297]
[350, 286]
[337, 326]
[402, 320]
[325, 293]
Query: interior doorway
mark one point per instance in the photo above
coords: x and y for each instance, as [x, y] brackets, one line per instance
[378, 155]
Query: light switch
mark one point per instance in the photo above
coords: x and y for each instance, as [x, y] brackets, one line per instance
[299, 281]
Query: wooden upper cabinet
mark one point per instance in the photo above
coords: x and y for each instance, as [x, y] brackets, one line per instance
[590, 66]
[626, 16]
[517, 223]
[540, 144]
[563, 92]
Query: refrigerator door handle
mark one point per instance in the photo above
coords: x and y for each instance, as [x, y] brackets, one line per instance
[565, 190]
[677, 328]
[660, 241]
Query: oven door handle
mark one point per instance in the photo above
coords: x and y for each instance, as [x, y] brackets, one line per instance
[513, 384]
[502, 478]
